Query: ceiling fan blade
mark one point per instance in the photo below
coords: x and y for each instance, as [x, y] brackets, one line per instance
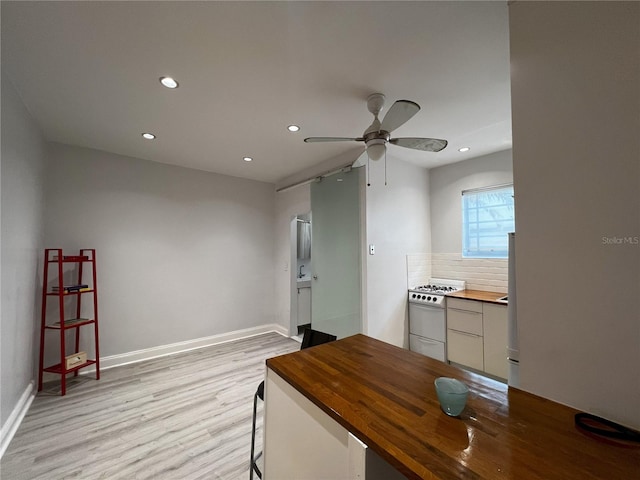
[398, 114]
[332, 139]
[425, 144]
[361, 161]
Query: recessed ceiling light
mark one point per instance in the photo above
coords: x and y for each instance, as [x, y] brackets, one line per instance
[464, 149]
[293, 128]
[339, 180]
[247, 159]
[149, 136]
[168, 82]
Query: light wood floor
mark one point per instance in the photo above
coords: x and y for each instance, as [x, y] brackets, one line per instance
[187, 416]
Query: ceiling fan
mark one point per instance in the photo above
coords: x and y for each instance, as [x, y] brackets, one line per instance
[378, 134]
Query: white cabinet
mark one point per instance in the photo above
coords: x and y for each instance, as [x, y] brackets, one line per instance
[464, 333]
[304, 305]
[301, 441]
[477, 335]
[494, 318]
[466, 349]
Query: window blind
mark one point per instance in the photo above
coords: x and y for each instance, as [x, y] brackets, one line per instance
[488, 215]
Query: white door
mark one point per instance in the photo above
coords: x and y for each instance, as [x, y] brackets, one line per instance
[335, 254]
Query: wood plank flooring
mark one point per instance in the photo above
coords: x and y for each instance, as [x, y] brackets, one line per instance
[183, 417]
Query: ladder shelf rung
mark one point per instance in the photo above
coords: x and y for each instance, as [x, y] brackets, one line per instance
[57, 368]
[78, 292]
[76, 322]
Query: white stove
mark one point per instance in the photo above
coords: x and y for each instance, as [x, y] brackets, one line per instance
[427, 319]
[433, 293]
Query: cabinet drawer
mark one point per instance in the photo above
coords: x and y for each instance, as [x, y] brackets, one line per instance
[461, 304]
[426, 346]
[465, 349]
[464, 321]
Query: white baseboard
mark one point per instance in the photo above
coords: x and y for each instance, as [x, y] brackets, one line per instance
[173, 348]
[10, 427]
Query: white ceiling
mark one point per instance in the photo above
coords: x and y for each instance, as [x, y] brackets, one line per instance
[88, 73]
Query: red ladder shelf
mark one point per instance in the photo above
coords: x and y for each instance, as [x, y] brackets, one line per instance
[53, 257]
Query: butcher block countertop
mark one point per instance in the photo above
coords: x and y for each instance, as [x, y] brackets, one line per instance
[385, 396]
[479, 295]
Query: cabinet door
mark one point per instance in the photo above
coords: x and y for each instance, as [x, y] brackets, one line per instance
[300, 440]
[495, 340]
[304, 306]
[465, 349]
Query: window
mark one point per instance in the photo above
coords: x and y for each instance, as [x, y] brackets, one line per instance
[488, 215]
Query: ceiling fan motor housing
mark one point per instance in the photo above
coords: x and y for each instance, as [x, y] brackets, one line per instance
[375, 103]
[378, 136]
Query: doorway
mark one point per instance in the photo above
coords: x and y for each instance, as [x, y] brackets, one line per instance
[301, 242]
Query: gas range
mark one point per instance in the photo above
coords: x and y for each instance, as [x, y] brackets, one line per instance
[433, 293]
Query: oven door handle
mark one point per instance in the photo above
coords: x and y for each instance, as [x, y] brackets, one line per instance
[427, 305]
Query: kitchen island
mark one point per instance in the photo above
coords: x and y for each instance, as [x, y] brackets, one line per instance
[384, 398]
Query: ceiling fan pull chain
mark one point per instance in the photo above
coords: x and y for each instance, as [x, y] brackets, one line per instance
[368, 174]
[385, 167]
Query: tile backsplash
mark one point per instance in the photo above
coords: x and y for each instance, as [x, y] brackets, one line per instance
[487, 274]
[418, 269]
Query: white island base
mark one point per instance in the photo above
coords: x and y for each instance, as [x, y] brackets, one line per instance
[302, 442]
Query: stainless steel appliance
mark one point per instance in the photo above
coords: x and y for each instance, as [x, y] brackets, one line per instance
[427, 319]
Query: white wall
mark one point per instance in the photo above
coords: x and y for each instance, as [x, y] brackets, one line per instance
[397, 223]
[287, 205]
[446, 184]
[23, 160]
[182, 254]
[576, 158]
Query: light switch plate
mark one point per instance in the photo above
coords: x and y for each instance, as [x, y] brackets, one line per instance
[372, 249]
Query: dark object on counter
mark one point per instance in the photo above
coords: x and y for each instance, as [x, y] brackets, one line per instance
[600, 427]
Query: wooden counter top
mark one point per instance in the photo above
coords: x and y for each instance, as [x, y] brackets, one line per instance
[479, 295]
[385, 396]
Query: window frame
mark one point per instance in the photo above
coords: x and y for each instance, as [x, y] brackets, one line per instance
[499, 250]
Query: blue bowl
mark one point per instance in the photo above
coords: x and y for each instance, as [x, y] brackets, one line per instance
[452, 395]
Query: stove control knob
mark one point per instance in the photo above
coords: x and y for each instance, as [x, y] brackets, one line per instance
[413, 296]
[423, 297]
[435, 299]
[429, 298]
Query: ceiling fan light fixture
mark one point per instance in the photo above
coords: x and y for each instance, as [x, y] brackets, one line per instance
[376, 149]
